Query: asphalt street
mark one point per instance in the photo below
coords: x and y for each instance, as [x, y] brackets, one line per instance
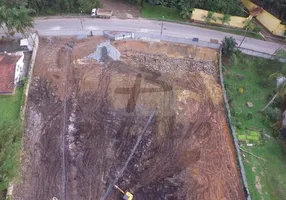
[78, 26]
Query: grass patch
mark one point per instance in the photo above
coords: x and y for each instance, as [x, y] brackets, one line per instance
[281, 53]
[10, 137]
[10, 105]
[157, 12]
[266, 179]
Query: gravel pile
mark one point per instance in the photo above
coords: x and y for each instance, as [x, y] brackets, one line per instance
[105, 47]
[80, 37]
[166, 64]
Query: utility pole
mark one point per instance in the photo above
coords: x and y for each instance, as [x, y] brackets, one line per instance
[81, 19]
[162, 25]
[243, 37]
[277, 50]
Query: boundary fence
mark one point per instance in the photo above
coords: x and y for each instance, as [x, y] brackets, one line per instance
[35, 37]
[261, 54]
[232, 130]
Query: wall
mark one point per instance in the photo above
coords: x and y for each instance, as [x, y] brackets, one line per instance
[35, 37]
[19, 69]
[248, 4]
[270, 22]
[235, 21]
[118, 35]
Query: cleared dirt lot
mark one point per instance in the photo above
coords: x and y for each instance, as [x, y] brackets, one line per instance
[84, 117]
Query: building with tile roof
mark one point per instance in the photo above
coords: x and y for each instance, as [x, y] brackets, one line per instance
[11, 68]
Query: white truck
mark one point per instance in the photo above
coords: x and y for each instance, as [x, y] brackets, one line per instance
[101, 13]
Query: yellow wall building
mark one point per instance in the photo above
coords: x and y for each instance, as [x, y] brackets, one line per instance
[235, 21]
[269, 21]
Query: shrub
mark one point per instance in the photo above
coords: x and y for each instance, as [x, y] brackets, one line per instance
[249, 116]
[225, 19]
[228, 46]
[209, 17]
[274, 114]
[10, 144]
[87, 5]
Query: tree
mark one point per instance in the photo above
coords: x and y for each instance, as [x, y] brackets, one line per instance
[209, 17]
[87, 5]
[14, 16]
[186, 13]
[163, 3]
[19, 19]
[13, 3]
[250, 26]
[186, 9]
[225, 19]
[280, 87]
[228, 46]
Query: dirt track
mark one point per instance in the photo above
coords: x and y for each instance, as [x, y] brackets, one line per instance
[84, 118]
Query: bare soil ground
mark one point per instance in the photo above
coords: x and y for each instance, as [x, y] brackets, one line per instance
[122, 9]
[83, 119]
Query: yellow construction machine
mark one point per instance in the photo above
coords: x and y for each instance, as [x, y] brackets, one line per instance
[126, 195]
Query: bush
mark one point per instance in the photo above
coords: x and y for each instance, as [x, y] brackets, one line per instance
[10, 144]
[87, 5]
[249, 116]
[274, 114]
[234, 59]
[228, 46]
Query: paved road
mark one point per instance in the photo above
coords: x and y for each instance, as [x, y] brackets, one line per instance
[76, 26]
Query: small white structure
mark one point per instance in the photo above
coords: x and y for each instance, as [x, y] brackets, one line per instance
[27, 43]
[19, 67]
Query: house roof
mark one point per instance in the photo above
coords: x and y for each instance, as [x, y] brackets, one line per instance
[7, 72]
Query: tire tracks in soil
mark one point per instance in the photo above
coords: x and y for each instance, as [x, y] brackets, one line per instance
[64, 123]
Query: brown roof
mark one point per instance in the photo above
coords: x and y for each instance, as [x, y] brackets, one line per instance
[256, 11]
[7, 73]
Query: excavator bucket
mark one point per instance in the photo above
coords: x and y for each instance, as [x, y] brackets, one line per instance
[128, 196]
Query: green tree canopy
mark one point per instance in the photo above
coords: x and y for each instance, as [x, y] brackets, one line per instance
[87, 5]
[225, 19]
[232, 7]
[228, 46]
[280, 87]
[14, 16]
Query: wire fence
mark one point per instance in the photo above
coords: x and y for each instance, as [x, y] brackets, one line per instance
[233, 132]
[261, 54]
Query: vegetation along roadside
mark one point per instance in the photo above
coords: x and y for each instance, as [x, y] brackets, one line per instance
[251, 84]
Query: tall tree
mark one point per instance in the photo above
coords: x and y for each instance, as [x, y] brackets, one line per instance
[15, 19]
[13, 3]
[186, 9]
[228, 46]
[225, 19]
[87, 5]
[209, 17]
[280, 87]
